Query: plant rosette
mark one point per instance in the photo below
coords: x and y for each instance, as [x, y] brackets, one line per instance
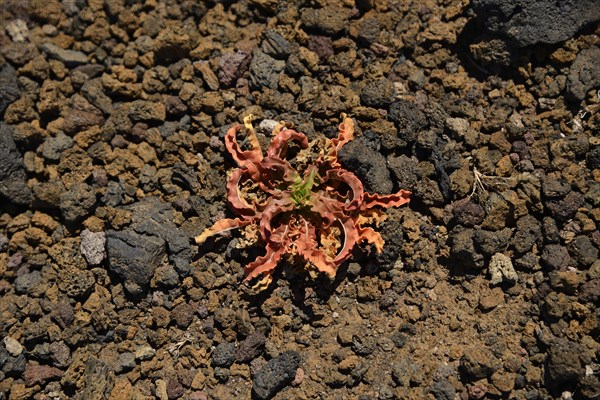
[301, 203]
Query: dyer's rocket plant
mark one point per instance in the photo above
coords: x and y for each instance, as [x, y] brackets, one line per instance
[304, 205]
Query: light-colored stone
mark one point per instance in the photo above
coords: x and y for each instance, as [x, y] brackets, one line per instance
[17, 29]
[13, 346]
[93, 246]
[458, 126]
[501, 270]
[144, 353]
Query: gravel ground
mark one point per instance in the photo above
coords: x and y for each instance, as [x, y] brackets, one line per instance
[112, 159]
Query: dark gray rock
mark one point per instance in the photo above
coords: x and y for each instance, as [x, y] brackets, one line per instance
[134, 257]
[370, 166]
[443, 390]
[390, 229]
[463, 249]
[54, 146]
[527, 22]
[15, 366]
[408, 119]
[489, 243]
[590, 291]
[13, 186]
[369, 31]
[250, 348]
[564, 365]
[404, 170]
[77, 202]
[550, 230]
[114, 195]
[166, 276]
[362, 344]
[90, 70]
[553, 188]
[9, 85]
[265, 70]
[26, 282]
[135, 253]
[222, 374]
[40, 351]
[185, 177]
[592, 196]
[582, 249]
[584, 74]
[563, 208]
[403, 370]
[593, 158]
[276, 45]
[275, 375]
[426, 141]
[556, 257]
[3, 356]
[428, 192]
[68, 57]
[295, 67]
[3, 242]
[93, 92]
[529, 231]
[378, 93]
[224, 355]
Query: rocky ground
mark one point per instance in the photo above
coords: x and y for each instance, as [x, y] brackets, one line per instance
[112, 160]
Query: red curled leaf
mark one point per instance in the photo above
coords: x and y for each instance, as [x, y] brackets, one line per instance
[279, 143]
[221, 226]
[276, 172]
[319, 259]
[234, 195]
[346, 133]
[371, 200]
[370, 236]
[351, 237]
[243, 157]
[272, 209]
[263, 265]
[353, 183]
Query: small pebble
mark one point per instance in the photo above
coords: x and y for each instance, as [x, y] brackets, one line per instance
[13, 346]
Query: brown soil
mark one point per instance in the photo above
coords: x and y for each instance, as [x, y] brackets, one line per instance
[112, 159]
